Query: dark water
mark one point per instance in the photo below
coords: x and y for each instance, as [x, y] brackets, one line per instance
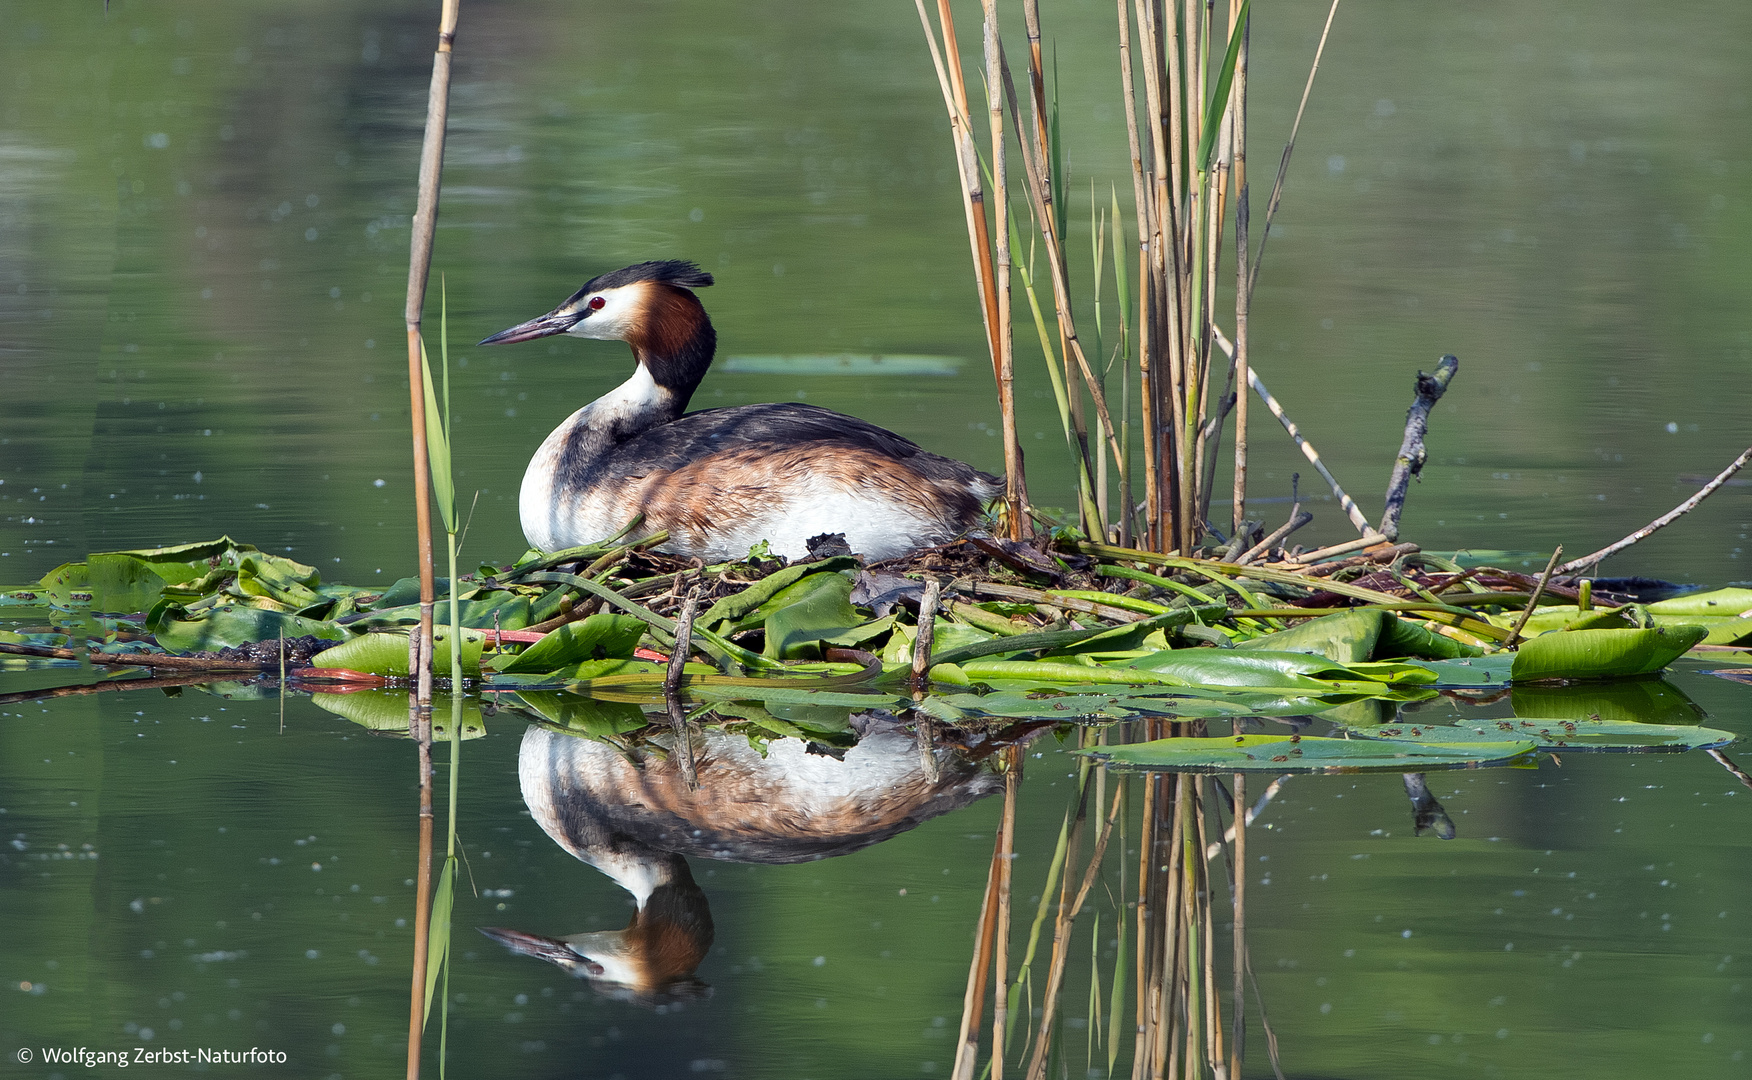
[203, 233]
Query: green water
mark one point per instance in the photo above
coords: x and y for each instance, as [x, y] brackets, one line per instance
[203, 235]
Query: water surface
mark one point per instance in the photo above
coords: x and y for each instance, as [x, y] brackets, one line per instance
[203, 234]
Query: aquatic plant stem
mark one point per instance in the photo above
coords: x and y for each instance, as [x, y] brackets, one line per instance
[1661, 522]
[419, 267]
[1533, 601]
[1004, 348]
[1243, 295]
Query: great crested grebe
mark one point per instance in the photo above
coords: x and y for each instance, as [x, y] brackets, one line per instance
[721, 480]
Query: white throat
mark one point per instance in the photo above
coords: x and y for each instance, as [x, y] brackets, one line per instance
[588, 433]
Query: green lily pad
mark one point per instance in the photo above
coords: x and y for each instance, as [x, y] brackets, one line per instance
[817, 607]
[1558, 734]
[387, 653]
[1266, 668]
[1343, 638]
[1277, 754]
[1478, 672]
[946, 636]
[1603, 654]
[742, 609]
[601, 636]
[1730, 602]
[227, 625]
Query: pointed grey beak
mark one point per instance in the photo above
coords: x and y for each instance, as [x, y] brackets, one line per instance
[554, 322]
[553, 950]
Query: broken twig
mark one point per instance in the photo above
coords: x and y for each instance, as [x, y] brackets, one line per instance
[1412, 456]
[1661, 522]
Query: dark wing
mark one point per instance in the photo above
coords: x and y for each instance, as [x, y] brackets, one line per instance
[778, 427]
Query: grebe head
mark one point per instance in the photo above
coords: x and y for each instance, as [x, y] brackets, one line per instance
[649, 300]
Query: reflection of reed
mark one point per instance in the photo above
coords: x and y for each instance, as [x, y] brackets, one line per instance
[1180, 1028]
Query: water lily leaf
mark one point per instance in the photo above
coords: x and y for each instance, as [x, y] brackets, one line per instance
[946, 636]
[134, 580]
[226, 625]
[1404, 638]
[278, 579]
[738, 605]
[595, 670]
[1058, 641]
[1049, 673]
[387, 653]
[861, 633]
[1603, 654]
[406, 591]
[1474, 672]
[1728, 631]
[1558, 734]
[1246, 667]
[375, 654]
[1344, 638]
[1732, 602]
[1277, 754]
[65, 586]
[821, 608]
[601, 636]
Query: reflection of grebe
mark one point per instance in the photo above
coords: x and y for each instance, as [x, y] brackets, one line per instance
[635, 820]
[722, 480]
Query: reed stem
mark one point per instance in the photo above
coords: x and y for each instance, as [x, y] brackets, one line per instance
[420, 658]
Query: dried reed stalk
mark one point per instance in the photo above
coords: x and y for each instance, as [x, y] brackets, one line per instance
[988, 266]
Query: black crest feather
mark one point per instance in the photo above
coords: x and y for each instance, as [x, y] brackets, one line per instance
[669, 271]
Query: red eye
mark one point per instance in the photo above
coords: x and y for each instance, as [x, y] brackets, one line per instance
[596, 303]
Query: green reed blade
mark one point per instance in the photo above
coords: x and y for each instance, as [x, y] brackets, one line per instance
[438, 448]
[438, 935]
[1207, 143]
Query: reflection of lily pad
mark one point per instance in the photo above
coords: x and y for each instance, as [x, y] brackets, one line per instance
[1648, 701]
[1557, 734]
[386, 711]
[583, 715]
[1277, 754]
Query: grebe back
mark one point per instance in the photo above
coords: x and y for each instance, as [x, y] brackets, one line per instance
[721, 480]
